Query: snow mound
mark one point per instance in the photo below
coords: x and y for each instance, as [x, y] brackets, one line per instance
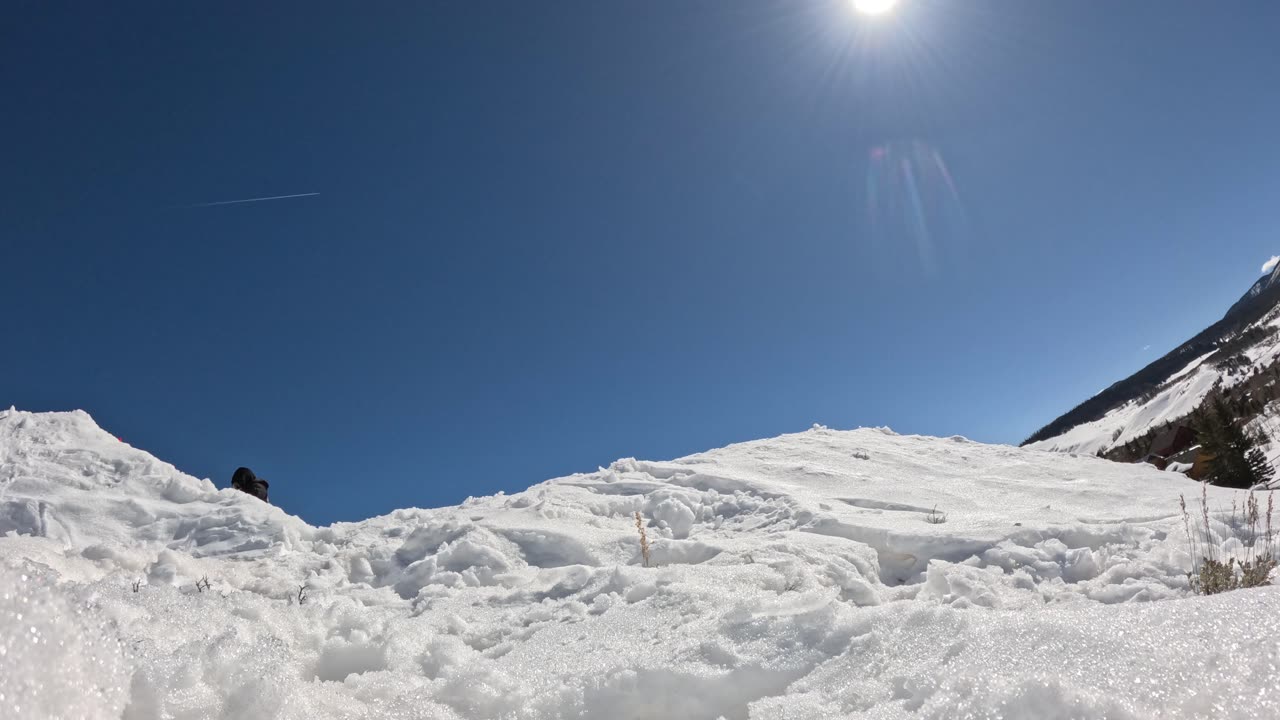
[816, 575]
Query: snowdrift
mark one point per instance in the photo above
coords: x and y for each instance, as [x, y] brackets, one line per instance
[816, 575]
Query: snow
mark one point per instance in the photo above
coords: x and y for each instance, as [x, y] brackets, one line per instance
[1178, 396]
[796, 577]
[1134, 419]
[1193, 365]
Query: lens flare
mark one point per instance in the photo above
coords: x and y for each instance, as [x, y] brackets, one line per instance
[910, 193]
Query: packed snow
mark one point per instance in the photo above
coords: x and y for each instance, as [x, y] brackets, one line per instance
[824, 574]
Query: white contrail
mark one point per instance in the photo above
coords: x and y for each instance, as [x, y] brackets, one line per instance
[248, 200]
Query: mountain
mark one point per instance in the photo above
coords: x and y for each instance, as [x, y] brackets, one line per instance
[1236, 356]
[821, 574]
[1257, 292]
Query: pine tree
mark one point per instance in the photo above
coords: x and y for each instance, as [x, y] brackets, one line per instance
[1209, 435]
[1235, 459]
[1259, 468]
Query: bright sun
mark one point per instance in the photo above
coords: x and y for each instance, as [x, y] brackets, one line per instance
[874, 7]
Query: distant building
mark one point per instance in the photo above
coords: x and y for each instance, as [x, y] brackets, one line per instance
[1173, 441]
[1187, 457]
[1200, 469]
[1155, 460]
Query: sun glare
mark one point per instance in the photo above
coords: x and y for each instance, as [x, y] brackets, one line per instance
[874, 7]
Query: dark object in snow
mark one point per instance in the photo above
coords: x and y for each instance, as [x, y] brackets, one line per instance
[245, 481]
[1173, 440]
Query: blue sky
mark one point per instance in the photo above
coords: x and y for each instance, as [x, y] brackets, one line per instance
[549, 235]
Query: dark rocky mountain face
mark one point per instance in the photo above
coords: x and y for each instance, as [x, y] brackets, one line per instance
[1264, 283]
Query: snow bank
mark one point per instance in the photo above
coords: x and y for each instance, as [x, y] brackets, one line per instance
[796, 577]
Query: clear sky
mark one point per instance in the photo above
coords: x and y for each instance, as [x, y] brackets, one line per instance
[552, 234]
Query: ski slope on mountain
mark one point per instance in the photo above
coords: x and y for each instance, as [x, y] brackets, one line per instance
[822, 574]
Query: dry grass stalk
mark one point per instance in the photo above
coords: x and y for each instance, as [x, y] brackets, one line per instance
[644, 539]
[1211, 575]
[933, 517]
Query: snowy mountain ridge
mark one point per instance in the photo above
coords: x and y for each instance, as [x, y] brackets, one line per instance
[815, 575]
[1223, 358]
[1256, 291]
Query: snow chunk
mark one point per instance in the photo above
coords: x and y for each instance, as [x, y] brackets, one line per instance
[675, 516]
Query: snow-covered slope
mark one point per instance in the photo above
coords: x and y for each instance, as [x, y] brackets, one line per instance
[1177, 396]
[805, 576]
